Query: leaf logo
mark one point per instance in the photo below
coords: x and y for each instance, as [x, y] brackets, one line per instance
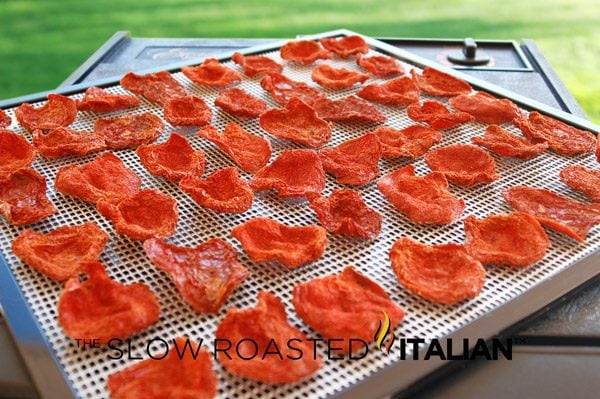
[383, 330]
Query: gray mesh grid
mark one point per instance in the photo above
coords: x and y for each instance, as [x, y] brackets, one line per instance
[87, 370]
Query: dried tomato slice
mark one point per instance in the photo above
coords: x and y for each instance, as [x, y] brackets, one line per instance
[437, 115]
[240, 103]
[100, 308]
[146, 214]
[380, 65]
[333, 306]
[187, 111]
[266, 240]
[99, 100]
[353, 162]
[348, 109]
[23, 197]
[566, 216]
[5, 120]
[62, 142]
[440, 84]
[205, 275]
[345, 213]
[222, 191]
[561, 138]
[345, 46]
[129, 131]
[463, 164]
[424, 199]
[60, 253]
[303, 51]
[398, 92]
[15, 152]
[412, 142]
[507, 144]
[185, 372]
[105, 178]
[516, 239]
[248, 151]
[445, 273]
[582, 179]
[283, 89]
[211, 73]
[292, 173]
[597, 150]
[485, 107]
[337, 78]
[174, 159]
[155, 87]
[297, 122]
[256, 65]
[58, 111]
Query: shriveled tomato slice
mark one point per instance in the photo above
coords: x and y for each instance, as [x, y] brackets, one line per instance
[129, 131]
[438, 83]
[507, 144]
[424, 199]
[23, 197]
[185, 372]
[437, 115]
[516, 239]
[105, 178]
[15, 152]
[566, 216]
[187, 111]
[174, 159]
[380, 65]
[292, 173]
[597, 150]
[398, 92]
[346, 213]
[99, 100]
[5, 120]
[155, 87]
[348, 109]
[337, 78]
[561, 138]
[62, 142]
[485, 107]
[211, 73]
[223, 191]
[345, 46]
[266, 240]
[345, 306]
[58, 111]
[412, 142]
[582, 179]
[60, 253]
[297, 122]
[256, 65]
[445, 273]
[303, 51]
[353, 162]
[283, 89]
[100, 308]
[240, 103]
[463, 164]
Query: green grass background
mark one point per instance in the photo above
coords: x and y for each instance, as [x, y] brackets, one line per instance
[43, 41]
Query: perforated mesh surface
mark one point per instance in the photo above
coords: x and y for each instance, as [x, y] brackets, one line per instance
[126, 262]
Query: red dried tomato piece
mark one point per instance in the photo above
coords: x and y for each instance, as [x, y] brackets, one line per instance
[445, 273]
[292, 173]
[297, 122]
[566, 216]
[174, 159]
[412, 142]
[265, 240]
[380, 65]
[353, 162]
[561, 138]
[100, 101]
[155, 87]
[256, 65]
[5, 120]
[507, 144]
[597, 150]
[345, 46]
[485, 107]
[58, 111]
[582, 179]
[283, 89]
[437, 115]
[398, 92]
[337, 78]
[60, 253]
[205, 275]
[105, 178]
[348, 109]
[345, 213]
[23, 197]
[187, 111]
[15, 152]
[100, 308]
[240, 103]
[222, 191]
[463, 164]
[438, 83]
[516, 239]
[146, 214]
[303, 51]
[345, 306]
[248, 151]
[424, 199]
[63, 142]
[129, 131]
[211, 73]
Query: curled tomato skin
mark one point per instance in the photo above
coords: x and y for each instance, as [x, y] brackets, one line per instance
[129, 131]
[99, 100]
[345, 46]
[398, 92]
[256, 65]
[211, 73]
[348, 109]
[5, 120]
[463, 164]
[440, 84]
[486, 108]
[64, 142]
[58, 111]
[240, 103]
[507, 144]
[582, 179]
[411, 142]
[15, 153]
[380, 65]
[282, 89]
[337, 78]
[187, 111]
[155, 87]
[303, 51]
[23, 197]
[436, 115]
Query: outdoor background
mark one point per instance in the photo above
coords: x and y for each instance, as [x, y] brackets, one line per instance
[43, 41]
